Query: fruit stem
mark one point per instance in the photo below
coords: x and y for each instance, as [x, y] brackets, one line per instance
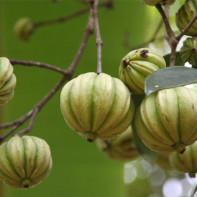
[180, 147]
[91, 136]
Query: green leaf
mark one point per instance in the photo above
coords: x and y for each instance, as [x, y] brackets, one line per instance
[143, 150]
[170, 77]
[179, 60]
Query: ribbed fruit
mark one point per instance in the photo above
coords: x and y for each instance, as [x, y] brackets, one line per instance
[155, 2]
[7, 80]
[187, 162]
[185, 14]
[97, 106]
[163, 160]
[189, 51]
[24, 28]
[167, 120]
[120, 148]
[137, 65]
[24, 161]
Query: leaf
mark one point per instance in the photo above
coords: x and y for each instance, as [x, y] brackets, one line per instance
[143, 150]
[179, 60]
[170, 77]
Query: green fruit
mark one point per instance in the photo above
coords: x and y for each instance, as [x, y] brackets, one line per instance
[24, 28]
[155, 2]
[189, 51]
[187, 162]
[97, 106]
[137, 65]
[25, 161]
[7, 80]
[185, 14]
[163, 160]
[120, 148]
[167, 120]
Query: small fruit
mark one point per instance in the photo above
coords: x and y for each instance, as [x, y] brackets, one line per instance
[167, 120]
[185, 14]
[24, 28]
[189, 51]
[187, 162]
[155, 2]
[137, 65]
[163, 160]
[120, 148]
[24, 161]
[97, 106]
[7, 80]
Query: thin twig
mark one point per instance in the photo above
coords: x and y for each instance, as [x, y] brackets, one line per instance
[99, 41]
[38, 64]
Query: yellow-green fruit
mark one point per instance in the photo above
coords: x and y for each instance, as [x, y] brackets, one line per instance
[185, 14]
[120, 148]
[97, 106]
[137, 65]
[189, 51]
[161, 2]
[187, 162]
[24, 161]
[24, 28]
[167, 120]
[7, 80]
[163, 160]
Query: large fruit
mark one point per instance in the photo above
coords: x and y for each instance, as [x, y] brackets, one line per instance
[24, 161]
[7, 80]
[185, 14]
[189, 51]
[187, 162]
[137, 65]
[167, 120]
[120, 148]
[97, 106]
[155, 2]
[24, 28]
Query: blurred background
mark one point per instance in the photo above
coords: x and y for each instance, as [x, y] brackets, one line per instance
[79, 168]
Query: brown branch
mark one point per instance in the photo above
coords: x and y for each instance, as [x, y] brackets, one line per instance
[67, 76]
[99, 41]
[37, 64]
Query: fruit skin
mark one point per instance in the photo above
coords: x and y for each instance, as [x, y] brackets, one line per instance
[24, 161]
[185, 14]
[167, 120]
[189, 51]
[24, 28]
[97, 106]
[7, 80]
[121, 148]
[137, 65]
[187, 162]
[161, 2]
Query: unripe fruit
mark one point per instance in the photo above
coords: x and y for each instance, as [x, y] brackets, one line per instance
[163, 160]
[189, 51]
[24, 161]
[185, 14]
[167, 120]
[97, 106]
[7, 80]
[137, 65]
[187, 162]
[161, 2]
[120, 148]
[24, 28]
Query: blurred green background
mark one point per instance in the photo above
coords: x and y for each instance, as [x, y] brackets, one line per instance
[79, 168]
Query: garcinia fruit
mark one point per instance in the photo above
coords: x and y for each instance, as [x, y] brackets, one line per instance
[120, 148]
[161, 2]
[189, 51]
[137, 65]
[97, 106]
[7, 80]
[167, 120]
[24, 28]
[24, 161]
[163, 160]
[185, 14]
[186, 162]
